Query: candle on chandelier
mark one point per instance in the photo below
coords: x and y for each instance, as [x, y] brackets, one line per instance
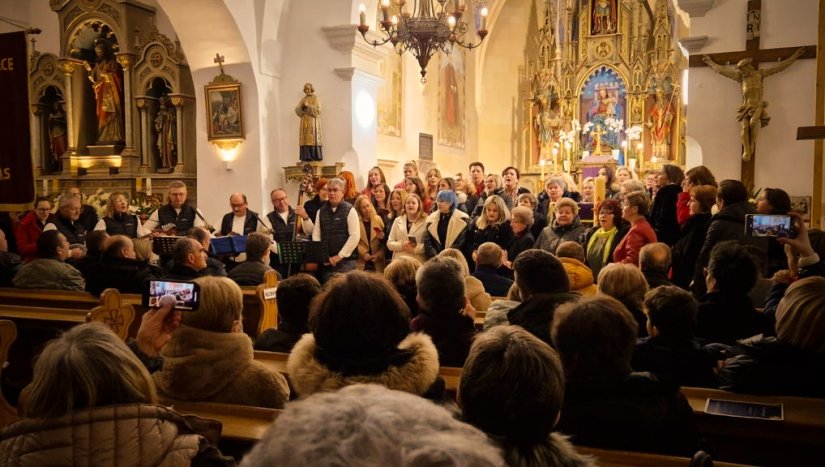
[363, 14]
[385, 10]
[484, 13]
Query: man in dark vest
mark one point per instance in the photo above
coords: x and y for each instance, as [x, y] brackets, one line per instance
[241, 221]
[67, 222]
[282, 220]
[88, 215]
[337, 226]
[177, 213]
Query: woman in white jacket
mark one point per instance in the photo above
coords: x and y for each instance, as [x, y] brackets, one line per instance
[408, 227]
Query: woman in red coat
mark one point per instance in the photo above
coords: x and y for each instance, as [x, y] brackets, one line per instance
[634, 208]
[31, 226]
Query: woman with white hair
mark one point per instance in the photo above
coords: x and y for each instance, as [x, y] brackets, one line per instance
[566, 226]
[446, 227]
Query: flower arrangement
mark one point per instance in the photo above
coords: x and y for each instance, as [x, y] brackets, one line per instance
[634, 132]
[587, 127]
[143, 204]
[98, 201]
[613, 125]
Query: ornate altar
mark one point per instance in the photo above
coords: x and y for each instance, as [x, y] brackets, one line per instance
[118, 101]
[601, 82]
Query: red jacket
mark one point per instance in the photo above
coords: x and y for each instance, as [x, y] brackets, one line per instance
[640, 234]
[27, 233]
[683, 207]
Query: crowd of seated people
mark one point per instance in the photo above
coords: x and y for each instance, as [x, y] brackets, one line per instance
[587, 337]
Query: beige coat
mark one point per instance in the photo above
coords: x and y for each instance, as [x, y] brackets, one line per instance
[399, 235]
[117, 435]
[218, 367]
[474, 291]
[309, 376]
[375, 244]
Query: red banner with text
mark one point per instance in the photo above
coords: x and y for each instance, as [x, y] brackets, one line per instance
[16, 171]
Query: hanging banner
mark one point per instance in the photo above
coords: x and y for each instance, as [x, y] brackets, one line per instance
[16, 171]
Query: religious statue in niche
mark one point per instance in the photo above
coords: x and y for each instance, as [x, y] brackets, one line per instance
[547, 124]
[660, 122]
[604, 19]
[165, 128]
[58, 138]
[107, 81]
[751, 113]
[309, 136]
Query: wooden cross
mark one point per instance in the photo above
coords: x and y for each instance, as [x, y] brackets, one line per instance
[219, 59]
[758, 55]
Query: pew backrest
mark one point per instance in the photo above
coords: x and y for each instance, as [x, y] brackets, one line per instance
[8, 334]
[113, 313]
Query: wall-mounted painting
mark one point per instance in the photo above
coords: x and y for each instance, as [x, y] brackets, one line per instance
[451, 106]
[223, 106]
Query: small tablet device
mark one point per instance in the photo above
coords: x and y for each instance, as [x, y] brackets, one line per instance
[187, 294]
[769, 225]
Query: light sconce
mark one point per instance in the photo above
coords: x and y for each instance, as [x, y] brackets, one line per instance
[228, 151]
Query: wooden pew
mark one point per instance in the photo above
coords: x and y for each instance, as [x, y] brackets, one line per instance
[8, 333]
[240, 422]
[611, 458]
[799, 439]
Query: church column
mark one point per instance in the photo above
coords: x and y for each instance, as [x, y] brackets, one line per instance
[126, 60]
[143, 106]
[68, 66]
[37, 137]
[178, 102]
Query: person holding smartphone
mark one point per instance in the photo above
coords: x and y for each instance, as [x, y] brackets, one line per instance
[372, 239]
[407, 234]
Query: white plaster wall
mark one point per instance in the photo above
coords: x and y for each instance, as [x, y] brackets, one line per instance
[781, 160]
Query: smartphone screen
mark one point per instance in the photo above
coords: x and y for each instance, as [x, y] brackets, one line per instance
[187, 294]
[769, 225]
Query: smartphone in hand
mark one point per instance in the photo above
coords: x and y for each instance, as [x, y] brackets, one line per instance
[187, 294]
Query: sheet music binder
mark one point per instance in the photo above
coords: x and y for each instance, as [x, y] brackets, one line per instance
[229, 245]
[164, 245]
[303, 252]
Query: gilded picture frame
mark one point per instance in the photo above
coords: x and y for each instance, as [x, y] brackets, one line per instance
[224, 111]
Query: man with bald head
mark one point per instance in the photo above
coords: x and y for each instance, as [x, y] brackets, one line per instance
[241, 221]
[67, 222]
[282, 221]
[654, 261]
[119, 268]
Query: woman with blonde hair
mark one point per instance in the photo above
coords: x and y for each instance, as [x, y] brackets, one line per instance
[209, 358]
[493, 185]
[401, 274]
[396, 203]
[473, 288]
[627, 284]
[118, 221]
[493, 225]
[89, 385]
[407, 233]
[433, 177]
[410, 170]
[371, 244]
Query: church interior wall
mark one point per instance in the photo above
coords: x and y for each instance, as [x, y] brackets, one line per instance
[781, 160]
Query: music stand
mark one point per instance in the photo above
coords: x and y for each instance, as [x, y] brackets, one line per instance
[303, 252]
[163, 246]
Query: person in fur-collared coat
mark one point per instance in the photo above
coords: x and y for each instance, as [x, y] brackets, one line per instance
[369, 343]
[209, 358]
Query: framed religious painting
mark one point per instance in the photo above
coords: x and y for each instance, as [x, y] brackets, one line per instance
[224, 111]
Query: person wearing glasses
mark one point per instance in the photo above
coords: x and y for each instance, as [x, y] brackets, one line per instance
[338, 228]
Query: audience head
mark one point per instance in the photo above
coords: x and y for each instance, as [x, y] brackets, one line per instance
[257, 247]
[335, 191]
[731, 269]
[655, 257]
[702, 199]
[588, 189]
[700, 175]
[119, 246]
[279, 199]
[370, 425]
[476, 172]
[87, 366]
[447, 183]
[510, 176]
[381, 193]
[512, 387]
[773, 201]
[415, 185]
[440, 286]
[143, 249]
[42, 208]
[345, 334]
[595, 338]
[623, 174]
[295, 294]
[671, 312]
[69, 206]
[51, 244]
[493, 182]
[201, 235]
[458, 256]
[669, 174]
[4, 243]
[177, 193]
[414, 208]
[555, 188]
[189, 252]
[364, 208]
[433, 176]
[731, 192]
[607, 173]
[401, 274]
[635, 204]
[570, 249]
[446, 201]
[489, 254]
[95, 243]
[376, 177]
[537, 271]
[528, 200]
[625, 283]
[630, 186]
[398, 199]
[800, 320]
[566, 211]
[221, 302]
[521, 219]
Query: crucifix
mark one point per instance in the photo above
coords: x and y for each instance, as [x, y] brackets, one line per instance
[748, 73]
[219, 59]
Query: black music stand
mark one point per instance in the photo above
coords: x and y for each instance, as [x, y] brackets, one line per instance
[302, 252]
[163, 246]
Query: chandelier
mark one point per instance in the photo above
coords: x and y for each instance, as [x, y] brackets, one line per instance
[424, 32]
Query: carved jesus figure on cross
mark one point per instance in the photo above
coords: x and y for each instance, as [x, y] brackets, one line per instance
[751, 113]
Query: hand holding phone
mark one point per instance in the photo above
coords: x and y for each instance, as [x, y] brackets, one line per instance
[769, 225]
[185, 294]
